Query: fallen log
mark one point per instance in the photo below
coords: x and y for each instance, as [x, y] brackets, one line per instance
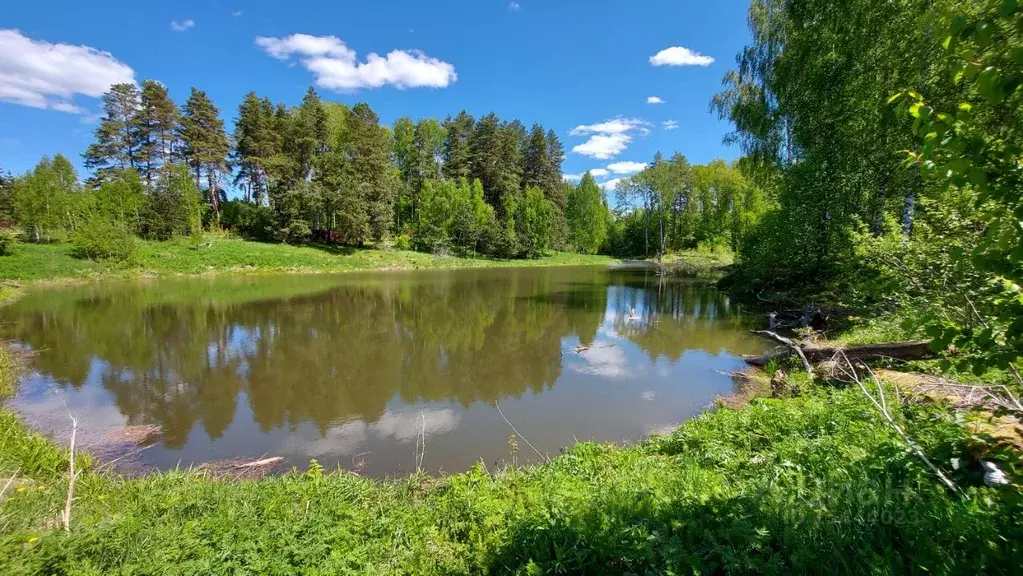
[910, 350]
[791, 345]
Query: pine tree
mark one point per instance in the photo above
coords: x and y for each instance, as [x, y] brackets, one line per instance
[308, 134]
[256, 142]
[552, 178]
[371, 167]
[535, 164]
[457, 146]
[117, 141]
[205, 144]
[155, 122]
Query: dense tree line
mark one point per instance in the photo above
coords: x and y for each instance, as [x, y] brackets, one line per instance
[889, 135]
[325, 172]
[673, 205]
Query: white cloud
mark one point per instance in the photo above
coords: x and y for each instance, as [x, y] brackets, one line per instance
[615, 126]
[670, 124]
[608, 138]
[654, 100]
[626, 167]
[336, 66]
[39, 74]
[514, 6]
[603, 359]
[236, 13]
[599, 172]
[603, 146]
[610, 184]
[680, 56]
[181, 26]
[571, 177]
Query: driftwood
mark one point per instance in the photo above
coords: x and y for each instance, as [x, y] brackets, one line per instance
[911, 350]
[790, 344]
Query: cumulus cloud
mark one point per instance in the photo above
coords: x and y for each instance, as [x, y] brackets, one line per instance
[609, 138]
[336, 66]
[514, 6]
[39, 74]
[654, 100]
[599, 172]
[680, 56]
[181, 26]
[670, 124]
[626, 167]
[236, 13]
[611, 184]
[571, 177]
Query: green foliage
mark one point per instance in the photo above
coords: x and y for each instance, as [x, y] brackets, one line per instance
[673, 206]
[973, 149]
[815, 484]
[121, 198]
[49, 199]
[204, 143]
[808, 101]
[173, 208]
[535, 223]
[100, 238]
[587, 216]
[8, 239]
[402, 242]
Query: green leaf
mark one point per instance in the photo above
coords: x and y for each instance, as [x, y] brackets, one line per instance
[1008, 7]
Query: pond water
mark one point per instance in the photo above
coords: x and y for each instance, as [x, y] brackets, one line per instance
[347, 368]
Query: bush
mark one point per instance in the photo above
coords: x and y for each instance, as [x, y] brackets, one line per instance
[7, 239]
[403, 242]
[101, 239]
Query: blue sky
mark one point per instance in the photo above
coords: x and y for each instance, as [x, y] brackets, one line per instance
[583, 68]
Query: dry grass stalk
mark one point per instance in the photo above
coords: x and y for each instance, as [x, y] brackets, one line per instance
[420, 452]
[73, 475]
[9, 482]
[524, 439]
[881, 404]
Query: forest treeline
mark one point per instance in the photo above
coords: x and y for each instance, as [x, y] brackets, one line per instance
[886, 136]
[324, 172]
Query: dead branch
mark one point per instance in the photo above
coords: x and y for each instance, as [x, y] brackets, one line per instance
[9, 482]
[882, 407]
[66, 516]
[123, 456]
[791, 344]
[909, 350]
[262, 462]
[524, 439]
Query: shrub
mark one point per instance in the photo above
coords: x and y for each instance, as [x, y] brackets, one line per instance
[403, 242]
[7, 239]
[101, 239]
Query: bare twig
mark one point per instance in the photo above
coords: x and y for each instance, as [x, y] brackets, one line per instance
[791, 344]
[517, 433]
[420, 452]
[66, 517]
[123, 456]
[9, 482]
[881, 405]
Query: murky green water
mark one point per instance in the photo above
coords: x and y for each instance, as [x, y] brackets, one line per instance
[344, 369]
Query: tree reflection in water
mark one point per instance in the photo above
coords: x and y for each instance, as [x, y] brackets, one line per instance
[323, 365]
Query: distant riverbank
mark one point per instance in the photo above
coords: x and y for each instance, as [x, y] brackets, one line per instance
[55, 264]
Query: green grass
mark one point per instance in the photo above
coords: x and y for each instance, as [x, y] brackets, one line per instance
[54, 262]
[815, 484]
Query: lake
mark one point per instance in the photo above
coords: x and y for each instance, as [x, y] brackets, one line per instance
[352, 369]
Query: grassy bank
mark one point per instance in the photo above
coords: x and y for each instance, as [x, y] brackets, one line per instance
[814, 484]
[54, 262]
